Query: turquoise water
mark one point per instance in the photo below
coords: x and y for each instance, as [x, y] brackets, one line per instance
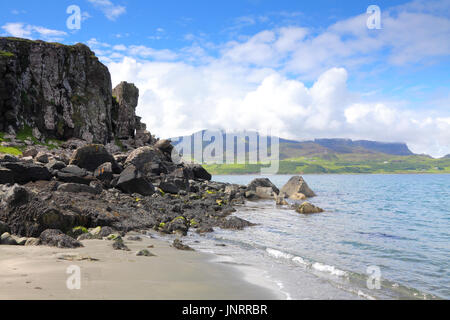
[397, 223]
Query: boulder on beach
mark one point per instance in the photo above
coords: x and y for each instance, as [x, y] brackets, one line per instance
[90, 157]
[296, 187]
[55, 238]
[132, 181]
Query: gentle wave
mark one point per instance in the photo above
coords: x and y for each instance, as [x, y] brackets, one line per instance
[277, 254]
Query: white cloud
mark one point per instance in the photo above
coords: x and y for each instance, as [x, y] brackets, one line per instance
[21, 30]
[409, 34]
[109, 9]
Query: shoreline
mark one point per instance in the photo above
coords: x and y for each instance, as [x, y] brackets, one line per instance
[40, 273]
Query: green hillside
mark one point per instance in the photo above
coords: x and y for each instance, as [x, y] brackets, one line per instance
[345, 164]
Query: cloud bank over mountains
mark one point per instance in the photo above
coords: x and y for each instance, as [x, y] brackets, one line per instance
[259, 83]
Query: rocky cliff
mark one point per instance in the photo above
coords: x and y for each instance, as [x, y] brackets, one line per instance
[62, 92]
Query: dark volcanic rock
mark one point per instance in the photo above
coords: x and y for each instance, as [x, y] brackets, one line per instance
[106, 231]
[56, 238]
[6, 176]
[200, 172]
[178, 244]
[118, 244]
[90, 157]
[132, 181]
[145, 158]
[4, 228]
[126, 100]
[62, 91]
[104, 173]
[26, 172]
[296, 185]
[262, 182]
[77, 188]
[236, 223]
[17, 196]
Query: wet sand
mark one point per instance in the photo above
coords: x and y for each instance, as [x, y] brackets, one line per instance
[41, 273]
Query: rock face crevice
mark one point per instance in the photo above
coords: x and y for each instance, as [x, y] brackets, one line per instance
[62, 91]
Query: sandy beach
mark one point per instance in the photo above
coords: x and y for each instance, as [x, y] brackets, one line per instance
[40, 272]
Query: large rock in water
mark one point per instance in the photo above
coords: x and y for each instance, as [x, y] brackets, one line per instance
[262, 183]
[296, 186]
[62, 91]
[90, 157]
[308, 208]
[126, 99]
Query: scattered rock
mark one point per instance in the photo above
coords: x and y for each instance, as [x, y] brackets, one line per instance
[265, 193]
[134, 238]
[262, 182]
[281, 201]
[7, 239]
[144, 253]
[77, 188]
[33, 242]
[236, 223]
[20, 240]
[17, 196]
[75, 257]
[56, 165]
[104, 173]
[30, 152]
[308, 208]
[42, 157]
[120, 245]
[106, 231]
[4, 228]
[132, 181]
[297, 185]
[144, 158]
[6, 176]
[298, 196]
[90, 157]
[26, 172]
[164, 145]
[56, 238]
[178, 244]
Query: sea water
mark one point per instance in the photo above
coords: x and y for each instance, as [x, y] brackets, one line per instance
[380, 237]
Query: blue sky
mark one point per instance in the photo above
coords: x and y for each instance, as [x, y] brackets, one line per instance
[301, 69]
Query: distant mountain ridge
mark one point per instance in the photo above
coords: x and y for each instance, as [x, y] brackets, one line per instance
[324, 148]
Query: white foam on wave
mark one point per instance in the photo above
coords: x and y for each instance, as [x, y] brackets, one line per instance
[329, 269]
[365, 295]
[300, 261]
[279, 254]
